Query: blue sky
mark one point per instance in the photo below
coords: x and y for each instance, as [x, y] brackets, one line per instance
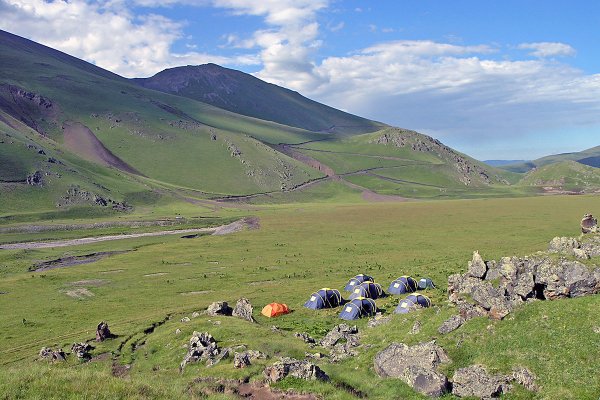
[494, 79]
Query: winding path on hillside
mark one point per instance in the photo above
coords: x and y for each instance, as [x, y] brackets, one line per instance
[216, 230]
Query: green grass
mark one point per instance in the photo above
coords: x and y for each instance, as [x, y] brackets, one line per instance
[298, 249]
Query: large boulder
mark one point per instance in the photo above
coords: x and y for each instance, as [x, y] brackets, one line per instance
[589, 224]
[300, 369]
[566, 279]
[474, 381]
[245, 358]
[341, 340]
[243, 310]
[477, 267]
[82, 350]
[219, 308]
[50, 354]
[415, 365]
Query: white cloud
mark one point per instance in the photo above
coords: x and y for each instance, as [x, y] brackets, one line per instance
[88, 31]
[337, 27]
[548, 49]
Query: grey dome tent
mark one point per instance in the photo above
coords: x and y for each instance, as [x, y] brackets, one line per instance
[411, 302]
[368, 289]
[324, 298]
[358, 308]
[404, 284]
[357, 280]
[426, 283]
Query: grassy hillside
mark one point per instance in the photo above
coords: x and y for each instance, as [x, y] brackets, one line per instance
[590, 157]
[564, 176]
[244, 94]
[295, 251]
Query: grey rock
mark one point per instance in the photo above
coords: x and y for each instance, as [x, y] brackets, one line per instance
[82, 350]
[474, 381]
[300, 369]
[243, 310]
[477, 267]
[202, 346]
[416, 328]
[416, 365]
[103, 332]
[35, 179]
[245, 358]
[378, 320]
[451, 324]
[563, 245]
[525, 378]
[343, 333]
[305, 337]
[49, 354]
[589, 224]
[219, 308]
[185, 319]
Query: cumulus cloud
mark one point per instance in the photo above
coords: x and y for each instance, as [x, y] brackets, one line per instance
[106, 34]
[548, 49]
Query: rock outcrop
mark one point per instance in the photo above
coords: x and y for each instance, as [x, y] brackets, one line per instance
[416, 365]
[451, 324]
[475, 381]
[243, 310]
[50, 354]
[82, 350]
[341, 340]
[245, 358]
[35, 179]
[589, 224]
[300, 369]
[202, 346]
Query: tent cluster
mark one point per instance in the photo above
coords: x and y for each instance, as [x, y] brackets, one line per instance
[363, 293]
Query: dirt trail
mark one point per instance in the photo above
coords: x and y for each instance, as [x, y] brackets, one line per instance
[221, 230]
[82, 141]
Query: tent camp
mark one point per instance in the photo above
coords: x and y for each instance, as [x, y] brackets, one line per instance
[275, 310]
[404, 284]
[357, 280]
[368, 289]
[426, 283]
[358, 308]
[324, 298]
[412, 302]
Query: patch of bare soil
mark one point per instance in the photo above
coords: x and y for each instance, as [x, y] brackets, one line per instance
[380, 198]
[249, 222]
[156, 274]
[79, 293]
[112, 271]
[90, 282]
[74, 260]
[195, 292]
[120, 370]
[257, 391]
[81, 140]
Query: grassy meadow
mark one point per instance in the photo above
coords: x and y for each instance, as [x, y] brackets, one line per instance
[298, 249]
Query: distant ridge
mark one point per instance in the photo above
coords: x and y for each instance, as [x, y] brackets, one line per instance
[498, 163]
[245, 94]
[589, 157]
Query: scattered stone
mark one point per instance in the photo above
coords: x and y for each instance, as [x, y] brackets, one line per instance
[275, 328]
[82, 350]
[341, 341]
[300, 369]
[451, 324]
[415, 365]
[315, 356]
[223, 353]
[416, 328]
[596, 329]
[202, 346]
[103, 332]
[177, 331]
[195, 314]
[243, 359]
[306, 338]
[525, 378]
[49, 354]
[474, 381]
[589, 224]
[35, 179]
[219, 308]
[185, 319]
[378, 320]
[243, 310]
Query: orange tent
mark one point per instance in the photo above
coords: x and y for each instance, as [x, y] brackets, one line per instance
[275, 310]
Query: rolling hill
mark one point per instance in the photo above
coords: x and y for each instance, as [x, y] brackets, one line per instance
[245, 94]
[590, 157]
[564, 177]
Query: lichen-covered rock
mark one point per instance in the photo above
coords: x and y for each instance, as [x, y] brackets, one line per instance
[243, 310]
[477, 267]
[589, 224]
[245, 358]
[305, 337]
[341, 332]
[416, 365]
[378, 320]
[49, 354]
[82, 350]
[219, 308]
[474, 381]
[300, 369]
[202, 346]
[451, 324]
[526, 378]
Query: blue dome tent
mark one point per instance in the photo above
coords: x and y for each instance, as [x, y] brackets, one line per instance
[324, 298]
[368, 289]
[357, 280]
[357, 308]
[426, 283]
[411, 302]
[404, 284]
